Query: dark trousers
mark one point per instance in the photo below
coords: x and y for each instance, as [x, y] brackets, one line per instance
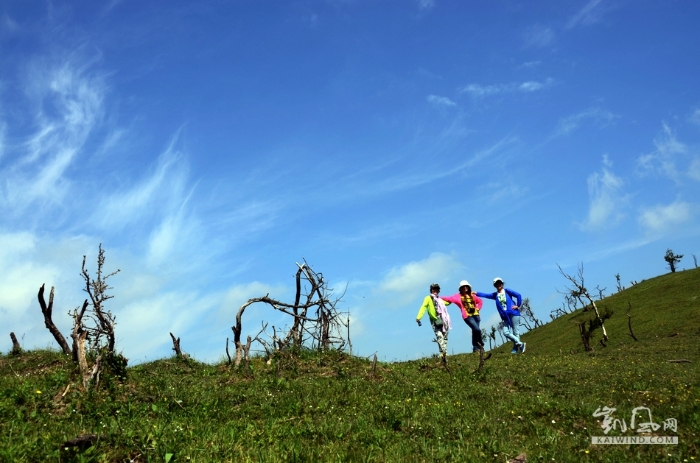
[473, 323]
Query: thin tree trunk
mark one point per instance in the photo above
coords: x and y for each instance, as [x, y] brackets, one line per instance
[176, 346]
[48, 321]
[246, 351]
[77, 331]
[16, 348]
[629, 321]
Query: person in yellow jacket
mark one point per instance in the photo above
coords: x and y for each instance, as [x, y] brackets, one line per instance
[439, 318]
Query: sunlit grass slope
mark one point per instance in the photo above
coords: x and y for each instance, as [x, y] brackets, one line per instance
[332, 407]
[661, 309]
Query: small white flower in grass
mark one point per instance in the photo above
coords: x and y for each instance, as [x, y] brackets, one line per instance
[553, 422]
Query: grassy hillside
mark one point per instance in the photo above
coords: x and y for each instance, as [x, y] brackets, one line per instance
[662, 308]
[332, 407]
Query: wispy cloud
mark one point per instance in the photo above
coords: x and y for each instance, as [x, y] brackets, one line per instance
[538, 36]
[606, 199]
[3, 131]
[596, 116]
[70, 104]
[8, 25]
[589, 14]
[531, 64]
[694, 169]
[426, 4]
[501, 191]
[416, 179]
[695, 117]
[663, 159]
[162, 190]
[661, 219]
[371, 234]
[441, 101]
[477, 90]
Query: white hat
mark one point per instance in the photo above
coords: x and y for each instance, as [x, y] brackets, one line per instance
[497, 279]
[464, 283]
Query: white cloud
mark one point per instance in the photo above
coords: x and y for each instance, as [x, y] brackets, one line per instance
[237, 295]
[143, 325]
[660, 219]
[695, 117]
[162, 190]
[426, 4]
[539, 36]
[530, 86]
[663, 159]
[589, 14]
[3, 131]
[477, 90]
[606, 199]
[440, 100]
[69, 104]
[8, 25]
[531, 64]
[694, 169]
[405, 283]
[500, 191]
[598, 117]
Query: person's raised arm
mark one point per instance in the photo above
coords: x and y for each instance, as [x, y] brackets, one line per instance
[486, 295]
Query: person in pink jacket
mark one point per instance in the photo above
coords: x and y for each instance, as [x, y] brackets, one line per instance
[470, 304]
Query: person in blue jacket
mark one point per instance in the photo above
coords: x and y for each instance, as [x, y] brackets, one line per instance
[508, 311]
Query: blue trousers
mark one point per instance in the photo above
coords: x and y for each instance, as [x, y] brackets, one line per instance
[512, 333]
[473, 323]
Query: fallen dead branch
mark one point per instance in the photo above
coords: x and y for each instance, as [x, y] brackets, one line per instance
[316, 321]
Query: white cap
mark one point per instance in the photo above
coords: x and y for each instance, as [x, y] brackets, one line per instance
[464, 283]
[497, 279]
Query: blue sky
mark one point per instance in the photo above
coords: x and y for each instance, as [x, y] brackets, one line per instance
[392, 144]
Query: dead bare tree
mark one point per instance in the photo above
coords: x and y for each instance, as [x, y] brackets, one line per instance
[629, 321]
[619, 283]
[580, 293]
[587, 327]
[482, 358]
[94, 325]
[601, 292]
[672, 259]
[558, 312]
[316, 321]
[176, 347]
[102, 331]
[528, 316]
[16, 348]
[48, 321]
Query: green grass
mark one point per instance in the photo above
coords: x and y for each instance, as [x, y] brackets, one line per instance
[330, 407]
[667, 305]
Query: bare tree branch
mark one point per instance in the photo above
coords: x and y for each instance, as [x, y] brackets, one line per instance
[176, 346]
[324, 329]
[580, 293]
[46, 310]
[16, 348]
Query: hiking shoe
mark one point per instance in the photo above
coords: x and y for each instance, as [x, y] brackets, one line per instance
[522, 347]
